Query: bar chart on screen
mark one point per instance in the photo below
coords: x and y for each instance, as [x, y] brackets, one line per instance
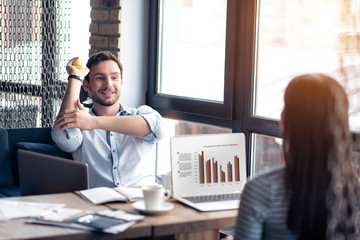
[211, 171]
[206, 162]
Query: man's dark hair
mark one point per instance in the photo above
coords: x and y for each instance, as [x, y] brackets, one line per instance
[100, 57]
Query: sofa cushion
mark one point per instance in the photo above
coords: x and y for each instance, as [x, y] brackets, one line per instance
[50, 149]
[6, 176]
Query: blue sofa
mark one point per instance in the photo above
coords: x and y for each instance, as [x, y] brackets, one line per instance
[33, 139]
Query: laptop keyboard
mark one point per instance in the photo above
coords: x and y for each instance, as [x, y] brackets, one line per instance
[214, 198]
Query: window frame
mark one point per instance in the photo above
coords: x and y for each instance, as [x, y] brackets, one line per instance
[186, 105]
[240, 58]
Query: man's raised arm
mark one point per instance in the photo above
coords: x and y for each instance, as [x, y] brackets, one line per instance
[74, 85]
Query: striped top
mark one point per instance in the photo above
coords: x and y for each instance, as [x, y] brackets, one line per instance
[263, 208]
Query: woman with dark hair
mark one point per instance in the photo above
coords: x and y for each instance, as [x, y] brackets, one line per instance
[315, 196]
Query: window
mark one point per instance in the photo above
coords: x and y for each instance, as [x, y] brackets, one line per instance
[296, 38]
[267, 43]
[293, 38]
[192, 50]
[79, 25]
[188, 59]
[224, 110]
[34, 47]
[267, 153]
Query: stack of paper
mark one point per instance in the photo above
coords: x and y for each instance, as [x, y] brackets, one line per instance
[19, 209]
[108, 221]
[56, 215]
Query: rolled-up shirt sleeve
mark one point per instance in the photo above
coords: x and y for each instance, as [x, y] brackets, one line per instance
[67, 140]
[154, 120]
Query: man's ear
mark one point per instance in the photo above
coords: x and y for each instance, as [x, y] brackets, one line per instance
[86, 85]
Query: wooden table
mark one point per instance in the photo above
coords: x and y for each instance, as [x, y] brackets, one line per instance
[181, 223]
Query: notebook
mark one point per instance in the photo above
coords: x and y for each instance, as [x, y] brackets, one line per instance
[44, 174]
[208, 171]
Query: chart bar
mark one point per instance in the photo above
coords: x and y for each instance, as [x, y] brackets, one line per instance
[229, 172]
[215, 167]
[237, 168]
[222, 174]
[202, 173]
[208, 171]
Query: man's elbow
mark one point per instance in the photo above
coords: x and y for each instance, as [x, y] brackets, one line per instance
[64, 141]
[158, 132]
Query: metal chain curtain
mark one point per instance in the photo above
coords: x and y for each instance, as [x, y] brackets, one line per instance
[34, 50]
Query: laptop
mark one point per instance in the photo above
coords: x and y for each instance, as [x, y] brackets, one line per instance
[208, 170]
[45, 174]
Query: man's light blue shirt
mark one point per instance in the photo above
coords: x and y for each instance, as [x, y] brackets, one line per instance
[114, 159]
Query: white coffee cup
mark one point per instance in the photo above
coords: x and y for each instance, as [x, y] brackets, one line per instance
[154, 196]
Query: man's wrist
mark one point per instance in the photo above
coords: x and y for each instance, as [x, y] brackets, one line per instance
[76, 77]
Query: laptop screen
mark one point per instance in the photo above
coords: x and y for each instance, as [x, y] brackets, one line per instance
[44, 174]
[208, 164]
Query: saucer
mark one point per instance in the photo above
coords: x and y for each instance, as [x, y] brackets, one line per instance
[140, 206]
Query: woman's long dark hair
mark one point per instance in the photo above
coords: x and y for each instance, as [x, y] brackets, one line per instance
[316, 141]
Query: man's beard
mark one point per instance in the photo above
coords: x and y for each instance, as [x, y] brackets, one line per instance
[95, 98]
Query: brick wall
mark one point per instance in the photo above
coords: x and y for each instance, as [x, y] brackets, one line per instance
[105, 26]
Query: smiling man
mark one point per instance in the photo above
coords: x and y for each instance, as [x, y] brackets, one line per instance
[116, 142]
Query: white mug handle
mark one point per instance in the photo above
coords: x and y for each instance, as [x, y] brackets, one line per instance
[167, 194]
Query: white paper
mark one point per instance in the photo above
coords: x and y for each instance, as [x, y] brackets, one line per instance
[62, 214]
[19, 209]
[133, 194]
[101, 195]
